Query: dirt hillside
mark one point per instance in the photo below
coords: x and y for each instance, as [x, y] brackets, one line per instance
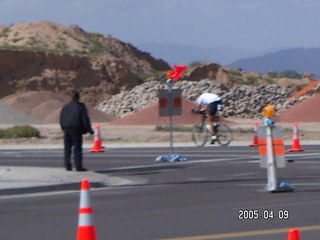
[53, 37]
[48, 56]
[42, 62]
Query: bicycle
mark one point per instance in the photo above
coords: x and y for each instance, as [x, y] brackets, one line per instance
[201, 131]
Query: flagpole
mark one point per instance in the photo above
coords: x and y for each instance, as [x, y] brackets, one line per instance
[169, 83]
[172, 75]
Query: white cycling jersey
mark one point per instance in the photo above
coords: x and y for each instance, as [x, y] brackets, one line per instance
[207, 98]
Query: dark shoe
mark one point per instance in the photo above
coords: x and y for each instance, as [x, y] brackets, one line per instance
[81, 170]
[68, 167]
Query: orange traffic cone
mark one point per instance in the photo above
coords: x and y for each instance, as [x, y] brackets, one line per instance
[255, 142]
[86, 229]
[294, 234]
[296, 141]
[97, 142]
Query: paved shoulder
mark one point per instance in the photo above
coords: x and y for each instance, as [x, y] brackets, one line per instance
[19, 180]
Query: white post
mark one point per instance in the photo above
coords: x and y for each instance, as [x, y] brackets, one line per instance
[170, 119]
[271, 165]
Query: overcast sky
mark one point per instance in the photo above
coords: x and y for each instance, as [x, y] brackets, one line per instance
[255, 25]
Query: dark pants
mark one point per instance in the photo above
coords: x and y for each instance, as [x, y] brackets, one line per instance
[213, 108]
[72, 139]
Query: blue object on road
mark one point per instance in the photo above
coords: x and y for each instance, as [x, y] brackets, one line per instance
[171, 158]
[282, 187]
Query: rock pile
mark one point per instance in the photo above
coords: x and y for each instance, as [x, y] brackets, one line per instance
[240, 101]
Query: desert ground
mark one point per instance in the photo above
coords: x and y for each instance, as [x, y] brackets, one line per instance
[243, 131]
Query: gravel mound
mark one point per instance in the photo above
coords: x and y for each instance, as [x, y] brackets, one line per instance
[45, 106]
[240, 101]
[12, 116]
[150, 116]
[305, 111]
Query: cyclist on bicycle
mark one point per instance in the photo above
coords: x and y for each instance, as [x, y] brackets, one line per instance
[211, 103]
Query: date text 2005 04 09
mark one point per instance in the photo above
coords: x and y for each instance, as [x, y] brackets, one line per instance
[254, 214]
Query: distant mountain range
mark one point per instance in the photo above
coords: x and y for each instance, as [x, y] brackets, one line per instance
[187, 54]
[301, 60]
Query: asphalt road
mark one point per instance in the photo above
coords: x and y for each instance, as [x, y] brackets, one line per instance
[211, 196]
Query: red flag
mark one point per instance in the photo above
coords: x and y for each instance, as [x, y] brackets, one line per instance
[176, 74]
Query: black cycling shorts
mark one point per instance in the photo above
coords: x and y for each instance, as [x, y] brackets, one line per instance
[213, 108]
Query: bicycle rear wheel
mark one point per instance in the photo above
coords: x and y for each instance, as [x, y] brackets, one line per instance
[224, 136]
[200, 135]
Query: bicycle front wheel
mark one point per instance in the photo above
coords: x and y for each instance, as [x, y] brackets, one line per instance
[200, 135]
[224, 136]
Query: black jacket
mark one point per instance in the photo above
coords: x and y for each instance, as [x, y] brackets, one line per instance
[74, 117]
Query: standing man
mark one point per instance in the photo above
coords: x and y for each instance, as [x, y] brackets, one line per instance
[212, 103]
[74, 122]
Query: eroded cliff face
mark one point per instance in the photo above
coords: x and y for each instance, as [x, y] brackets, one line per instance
[97, 77]
[49, 56]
